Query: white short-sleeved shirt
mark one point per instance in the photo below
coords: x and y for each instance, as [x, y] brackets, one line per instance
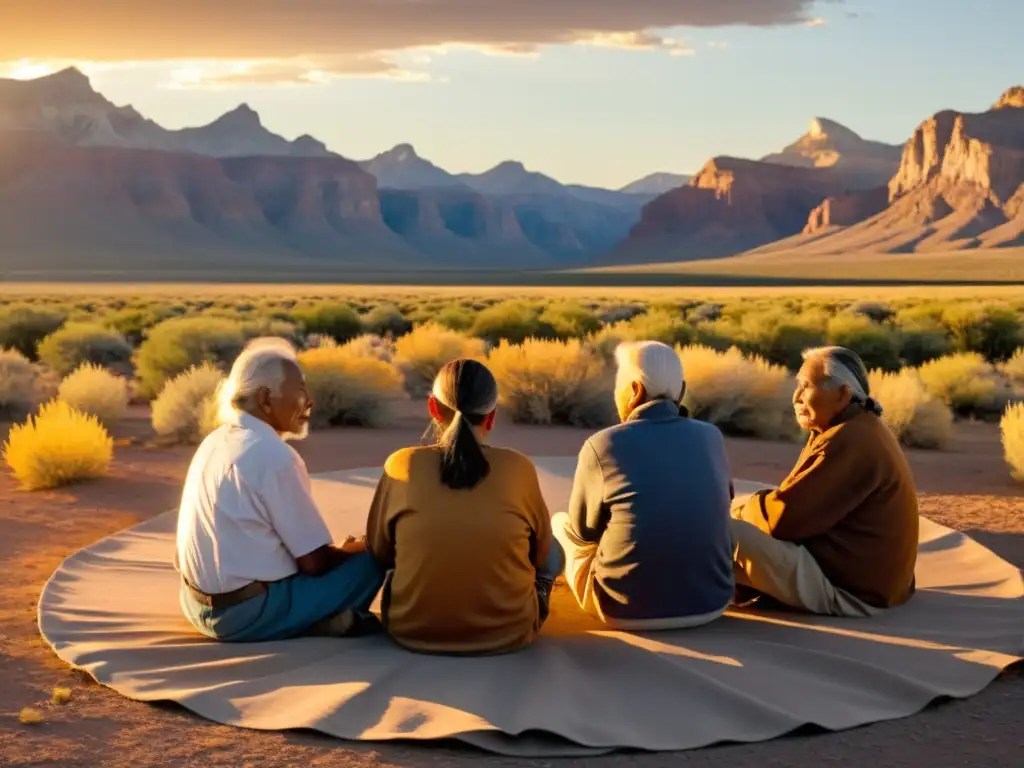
[246, 511]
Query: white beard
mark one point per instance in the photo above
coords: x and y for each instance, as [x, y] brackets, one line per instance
[296, 436]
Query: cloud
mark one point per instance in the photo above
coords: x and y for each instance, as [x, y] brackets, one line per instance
[816, 22]
[637, 41]
[262, 30]
[288, 72]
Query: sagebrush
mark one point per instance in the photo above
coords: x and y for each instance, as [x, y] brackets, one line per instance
[420, 354]
[918, 418]
[174, 346]
[57, 447]
[69, 347]
[741, 395]
[185, 411]
[350, 389]
[553, 382]
[94, 390]
[19, 385]
[1012, 428]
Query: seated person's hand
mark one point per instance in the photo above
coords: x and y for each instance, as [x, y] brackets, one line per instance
[354, 546]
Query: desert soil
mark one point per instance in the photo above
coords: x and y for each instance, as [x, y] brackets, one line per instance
[967, 488]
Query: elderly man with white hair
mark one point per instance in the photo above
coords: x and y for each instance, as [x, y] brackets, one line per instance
[646, 536]
[839, 535]
[255, 556]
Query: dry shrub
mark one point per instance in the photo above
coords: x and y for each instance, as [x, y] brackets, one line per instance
[738, 394]
[1012, 428]
[19, 385]
[23, 327]
[513, 321]
[918, 418]
[371, 345]
[385, 320]
[177, 345]
[72, 345]
[877, 345]
[553, 382]
[58, 446]
[965, 383]
[94, 390]
[186, 409]
[334, 319]
[1014, 368]
[570, 320]
[420, 354]
[658, 325]
[350, 389]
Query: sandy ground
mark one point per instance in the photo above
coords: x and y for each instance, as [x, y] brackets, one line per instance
[967, 488]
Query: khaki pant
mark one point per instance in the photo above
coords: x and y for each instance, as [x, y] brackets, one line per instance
[787, 572]
[579, 573]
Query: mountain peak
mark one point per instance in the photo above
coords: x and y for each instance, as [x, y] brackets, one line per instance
[69, 84]
[1013, 98]
[822, 128]
[241, 116]
[401, 153]
[509, 166]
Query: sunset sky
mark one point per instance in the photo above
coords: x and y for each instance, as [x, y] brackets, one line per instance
[588, 91]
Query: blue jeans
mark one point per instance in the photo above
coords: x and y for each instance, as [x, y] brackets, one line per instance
[290, 606]
[546, 576]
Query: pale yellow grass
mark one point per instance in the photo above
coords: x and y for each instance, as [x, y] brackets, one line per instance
[739, 394]
[421, 353]
[350, 389]
[553, 382]
[1012, 428]
[186, 409]
[917, 417]
[94, 390]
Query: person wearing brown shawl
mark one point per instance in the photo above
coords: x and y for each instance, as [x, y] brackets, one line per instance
[839, 536]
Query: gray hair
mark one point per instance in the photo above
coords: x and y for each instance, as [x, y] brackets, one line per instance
[262, 365]
[844, 368]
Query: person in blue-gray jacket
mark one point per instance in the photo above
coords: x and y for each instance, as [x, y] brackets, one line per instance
[647, 533]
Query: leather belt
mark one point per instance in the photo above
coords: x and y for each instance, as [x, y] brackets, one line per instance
[227, 599]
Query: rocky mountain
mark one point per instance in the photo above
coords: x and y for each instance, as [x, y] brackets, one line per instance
[862, 164]
[730, 206]
[959, 185]
[655, 184]
[402, 168]
[65, 105]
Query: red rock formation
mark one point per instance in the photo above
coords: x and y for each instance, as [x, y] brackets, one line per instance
[960, 184]
[731, 205]
[845, 210]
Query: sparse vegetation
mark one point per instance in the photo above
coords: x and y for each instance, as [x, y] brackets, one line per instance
[23, 327]
[1012, 428]
[400, 333]
[176, 345]
[513, 321]
[73, 344]
[918, 418]
[58, 446]
[420, 354]
[386, 320]
[186, 409]
[553, 382]
[19, 385]
[740, 395]
[94, 390]
[349, 389]
[331, 318]
[965, 383]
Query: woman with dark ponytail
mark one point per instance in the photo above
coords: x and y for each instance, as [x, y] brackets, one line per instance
[463, 530]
